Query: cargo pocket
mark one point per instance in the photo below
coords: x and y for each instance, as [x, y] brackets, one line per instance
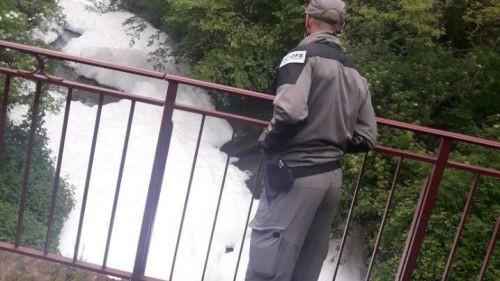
[265, 247]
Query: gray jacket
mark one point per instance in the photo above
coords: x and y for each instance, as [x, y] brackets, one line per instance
[323, 106]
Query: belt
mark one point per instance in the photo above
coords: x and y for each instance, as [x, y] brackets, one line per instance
[305, 171]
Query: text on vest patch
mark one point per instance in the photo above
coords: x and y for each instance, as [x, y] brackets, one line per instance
[294, 57]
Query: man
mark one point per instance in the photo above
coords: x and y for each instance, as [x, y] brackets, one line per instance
[322, 111]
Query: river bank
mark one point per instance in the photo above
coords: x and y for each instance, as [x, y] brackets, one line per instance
[22, 268]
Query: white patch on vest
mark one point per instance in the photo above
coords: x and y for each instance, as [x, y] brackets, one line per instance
[294, 57]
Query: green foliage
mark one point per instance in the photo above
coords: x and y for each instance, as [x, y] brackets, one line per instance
[17, 18]
[416, 72]
[39, 189]
[432, 63]
[236, 43]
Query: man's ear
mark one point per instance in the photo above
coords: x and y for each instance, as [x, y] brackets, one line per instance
[341, 28]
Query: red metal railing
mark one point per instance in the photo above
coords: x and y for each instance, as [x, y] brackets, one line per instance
[416, 233]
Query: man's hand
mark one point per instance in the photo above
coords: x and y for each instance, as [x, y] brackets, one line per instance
[358, 144]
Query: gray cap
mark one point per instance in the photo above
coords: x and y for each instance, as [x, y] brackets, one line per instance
[329, 11]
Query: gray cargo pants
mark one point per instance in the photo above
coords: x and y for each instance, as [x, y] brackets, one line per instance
[290, 234]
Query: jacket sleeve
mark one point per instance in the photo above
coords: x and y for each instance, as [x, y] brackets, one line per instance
[290, 105]
[365, 131]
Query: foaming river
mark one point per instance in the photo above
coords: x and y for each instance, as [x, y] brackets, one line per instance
[103, 37]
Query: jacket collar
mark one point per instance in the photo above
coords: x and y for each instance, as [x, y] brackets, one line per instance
[325, 37]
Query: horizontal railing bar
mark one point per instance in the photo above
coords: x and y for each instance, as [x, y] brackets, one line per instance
[63, 260]
[474, 169]
[431, 160]
[417, 129]
[68, 84]
[406, 154]
[438, 133]
[233, 90]
[222, 115]
[62, 56]
[234, 117]
[380, 149]
[146, 278]
[132, 70]
[218, 87]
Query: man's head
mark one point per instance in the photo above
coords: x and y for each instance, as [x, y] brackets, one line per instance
[326, 15]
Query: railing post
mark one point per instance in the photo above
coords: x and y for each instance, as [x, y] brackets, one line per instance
[35, 110]
[3, 111]
[460, 228]
[349, 215]
[155, 183]
[489, 251]
[423, 213]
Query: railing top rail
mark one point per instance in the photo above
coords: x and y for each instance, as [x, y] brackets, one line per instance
[438, 133]
[232, 90]
[132, 70]
[62, 56]
[79, 86]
